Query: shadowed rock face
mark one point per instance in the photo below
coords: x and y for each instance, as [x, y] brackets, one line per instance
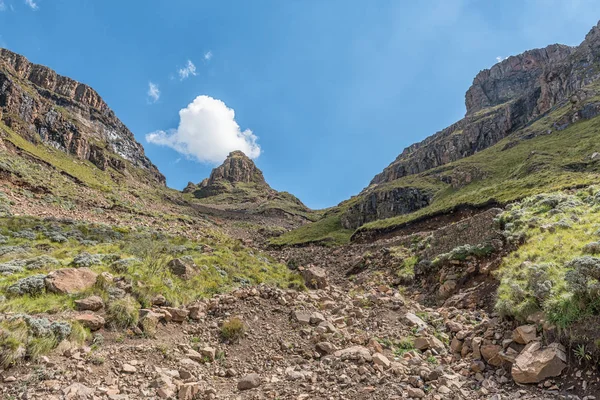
[385, 204]
[41, 105]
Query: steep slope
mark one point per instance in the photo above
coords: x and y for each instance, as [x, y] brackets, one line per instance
[523, 134]
[44, 107]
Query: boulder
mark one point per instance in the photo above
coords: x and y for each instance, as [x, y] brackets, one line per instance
[197, 311]
[525, 334]
[456, 345]
[209, 352]
[250, 381]
[535, 363]
[91, 321]
[183, 267]
[303, 317]
[177, 314]
[70, 280]
[92, 303]
[325, 348]
[314, 277]
[491, 354]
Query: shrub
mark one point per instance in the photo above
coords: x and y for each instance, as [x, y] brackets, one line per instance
[123, 313]
[584, 275]
[32, 285]
[87, 260]
[25, 234]
[233, 330]
[592, 248]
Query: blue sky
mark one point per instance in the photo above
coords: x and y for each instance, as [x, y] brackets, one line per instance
[326, 92]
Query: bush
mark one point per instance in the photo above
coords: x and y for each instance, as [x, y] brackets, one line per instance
[32, 285]
[87, 260]
[592, 248]
[584, 275]
[233, 330]
[123, 313]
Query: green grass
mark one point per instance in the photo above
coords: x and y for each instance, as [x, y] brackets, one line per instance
[327, 231]
[533, 166]
[555, 230]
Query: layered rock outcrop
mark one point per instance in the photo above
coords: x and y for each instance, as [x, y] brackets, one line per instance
[385, 204]
[42, 106]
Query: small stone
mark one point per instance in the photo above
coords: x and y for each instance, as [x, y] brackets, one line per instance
[415, 393]
[250, 381]
[380, 359]
[130, 369]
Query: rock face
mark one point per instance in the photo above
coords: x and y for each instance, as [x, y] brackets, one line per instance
[236, 169]
[514, 77]
[385, 204]
[45, 107]
[501, 101]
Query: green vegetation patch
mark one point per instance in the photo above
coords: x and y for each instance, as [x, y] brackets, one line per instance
[556, 269]
[327, 231]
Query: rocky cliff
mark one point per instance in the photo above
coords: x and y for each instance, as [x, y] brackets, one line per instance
[42, 106]
[236, 170]
[501, 101]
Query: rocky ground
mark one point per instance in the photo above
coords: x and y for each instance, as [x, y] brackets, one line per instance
[348, 337]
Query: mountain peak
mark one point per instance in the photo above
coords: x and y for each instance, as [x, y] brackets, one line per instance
[237, 168]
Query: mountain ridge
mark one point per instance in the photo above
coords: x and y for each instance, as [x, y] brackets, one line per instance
[64, 114]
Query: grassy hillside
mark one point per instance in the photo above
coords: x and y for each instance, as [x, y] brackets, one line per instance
[556, 268]
[512, 169]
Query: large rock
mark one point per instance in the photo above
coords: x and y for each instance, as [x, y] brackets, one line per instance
[70, 280]
[315, 277]
[535, 363]
[183, 267]
[428, 342]
[491, 354]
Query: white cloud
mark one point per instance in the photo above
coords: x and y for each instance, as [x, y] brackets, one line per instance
[153, 92]
[2, 6]
[207, 132]
[189, 69]
[500, 58]
[31, 4]
[208, 55]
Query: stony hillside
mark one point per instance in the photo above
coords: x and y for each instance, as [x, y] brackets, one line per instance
[468, 269]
